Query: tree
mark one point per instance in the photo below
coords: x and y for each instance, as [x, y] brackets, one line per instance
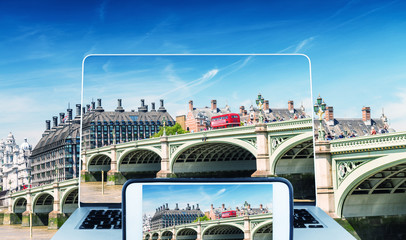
[175, 129]
[201, 219]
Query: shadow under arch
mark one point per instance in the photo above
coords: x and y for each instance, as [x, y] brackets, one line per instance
[223, 231]
[214, 159]
[139, 163]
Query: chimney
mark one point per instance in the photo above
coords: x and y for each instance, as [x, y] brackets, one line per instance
[93, 105]
[329, 116]
[242, 110]
[290, 106]
[266, 106]
[55, 120]
[167, 208]
[119, 107]
[69, 114]
[99, 106]
[366, 115]
[213, 105]
[190, 105]
[61, 117]
[143, 108]
[193, 207]
[177, 207]
[197, 207]
[188, 207]
[88, 107]
[153, 107]
[48, 125]
[83, 110]
[161, 108]
[77, 110]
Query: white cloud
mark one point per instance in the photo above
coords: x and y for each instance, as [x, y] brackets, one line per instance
[395, 111]
[303, 43]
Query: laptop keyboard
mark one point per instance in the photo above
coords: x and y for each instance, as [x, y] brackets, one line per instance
[303, 219]
[102, 219]
[111, 219]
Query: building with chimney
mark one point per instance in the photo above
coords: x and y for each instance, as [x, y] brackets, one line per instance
[57, 154]
[244, 210]
[351, 127]
[251, 115]
[165, 217]
[15, 165]
[198, 119]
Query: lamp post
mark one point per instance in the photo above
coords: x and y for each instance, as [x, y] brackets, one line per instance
[164, 123]
[319, 109]
[260, 102]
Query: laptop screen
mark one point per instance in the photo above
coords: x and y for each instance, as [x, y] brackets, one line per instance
[195, 116]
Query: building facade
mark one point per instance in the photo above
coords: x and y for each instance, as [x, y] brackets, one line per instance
[198, 119]
[165, 217]
[15, 166]
[336, 128]
[57, 154]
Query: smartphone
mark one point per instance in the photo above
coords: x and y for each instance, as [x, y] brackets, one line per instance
[178, 208]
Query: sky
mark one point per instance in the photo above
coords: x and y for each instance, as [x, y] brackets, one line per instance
[356, 47]
[155, 196]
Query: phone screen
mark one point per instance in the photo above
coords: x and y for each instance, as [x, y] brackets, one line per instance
[207, 210]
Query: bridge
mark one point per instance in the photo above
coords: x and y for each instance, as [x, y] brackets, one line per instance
[49, 204]
[253, 227]
[362, 176]
[257, 150]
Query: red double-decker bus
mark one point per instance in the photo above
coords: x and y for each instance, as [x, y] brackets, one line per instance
[225, 121]
[228, 214]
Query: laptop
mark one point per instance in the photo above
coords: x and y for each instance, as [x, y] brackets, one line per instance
[145, 94]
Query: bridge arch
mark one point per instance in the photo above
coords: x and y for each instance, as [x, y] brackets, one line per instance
[288, 145]
[69, 200]
[43, 203]
[20, 205]
[166, 235]
[201, 155]
[186, 233]
[368, 171]
[232, 230]
[155, 236]
[99, 162]
[263, 230]
[144, 160]
[147, 237]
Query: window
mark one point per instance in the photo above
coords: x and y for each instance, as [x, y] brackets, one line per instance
[134, 118]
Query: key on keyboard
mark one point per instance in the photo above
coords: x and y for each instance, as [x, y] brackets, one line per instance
[102, 219]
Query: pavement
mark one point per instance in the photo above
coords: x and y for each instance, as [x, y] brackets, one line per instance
[12, 232]
[91, 192]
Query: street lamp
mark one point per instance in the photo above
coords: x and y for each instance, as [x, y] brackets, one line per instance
[260, 102]
[319, 109]
[164, 123]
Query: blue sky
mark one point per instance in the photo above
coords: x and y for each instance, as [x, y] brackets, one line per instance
[356, 47]
[155, 196]
[231, 80]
